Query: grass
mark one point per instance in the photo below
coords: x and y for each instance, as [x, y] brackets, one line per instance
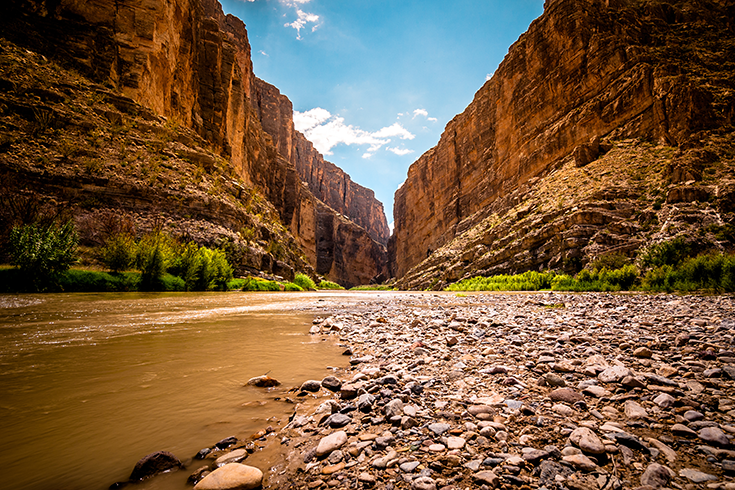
[329, 285]
[373, 287]
[86, 281]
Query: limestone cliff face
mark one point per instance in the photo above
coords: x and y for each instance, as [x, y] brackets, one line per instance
[585, 70]
[328, 182]
[189, 62]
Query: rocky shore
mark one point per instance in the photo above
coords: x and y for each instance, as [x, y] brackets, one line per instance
[585, 392]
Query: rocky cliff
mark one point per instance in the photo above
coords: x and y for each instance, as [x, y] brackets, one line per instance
[589, 76]
[187, 63]
[328, 182]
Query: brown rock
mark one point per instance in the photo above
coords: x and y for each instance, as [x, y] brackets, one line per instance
[566, 395]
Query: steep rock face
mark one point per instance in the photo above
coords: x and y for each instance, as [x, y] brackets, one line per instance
[185, 60]
[585, 70]
[328, 182]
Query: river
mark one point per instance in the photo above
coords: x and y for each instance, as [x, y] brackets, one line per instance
[90, 383]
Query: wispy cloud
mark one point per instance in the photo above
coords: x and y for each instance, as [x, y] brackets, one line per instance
[263, 53]
[400, 151]
[302, 18]
[424, 113]
[326, 131]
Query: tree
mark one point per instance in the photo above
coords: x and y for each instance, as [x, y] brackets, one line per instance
[43, 252]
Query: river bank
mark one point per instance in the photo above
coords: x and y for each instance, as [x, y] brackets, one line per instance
[588, 391]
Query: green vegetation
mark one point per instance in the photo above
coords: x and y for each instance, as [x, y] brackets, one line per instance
[665, 267]
[258, 284]
[373, 287]
[42, 253]
[324, 284]
[304, 282]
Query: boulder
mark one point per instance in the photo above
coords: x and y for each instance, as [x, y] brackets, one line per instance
[153, 464]
[233, 476]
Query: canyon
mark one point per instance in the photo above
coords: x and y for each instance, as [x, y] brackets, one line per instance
[174, 81]
[607, 126]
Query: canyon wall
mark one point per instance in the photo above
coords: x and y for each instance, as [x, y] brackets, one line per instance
[585, 71]
[189, 62]
[326, 181]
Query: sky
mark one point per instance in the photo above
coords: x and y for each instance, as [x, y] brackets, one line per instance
[374, 82]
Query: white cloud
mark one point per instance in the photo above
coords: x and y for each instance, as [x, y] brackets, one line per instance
[425, 113]
[304, 121]
[400, 151]
[302, 18]
[489, 76]
[263, 53]
[326, 131]
[367, 155]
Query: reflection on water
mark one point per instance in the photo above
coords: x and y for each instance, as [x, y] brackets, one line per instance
[90, 383]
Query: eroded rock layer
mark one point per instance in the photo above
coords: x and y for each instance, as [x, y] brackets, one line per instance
[587, 75]
[328, 182]
[187, 61]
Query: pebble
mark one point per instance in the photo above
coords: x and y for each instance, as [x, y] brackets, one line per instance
[233, 476]
[331, 442]
[491, 391]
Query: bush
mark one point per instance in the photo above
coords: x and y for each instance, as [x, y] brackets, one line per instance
[154, 255]
[329, 285]
[528, 281]
[84, 281]
[42, 253]
[711, 272]
[672, 253]
[219, 270]
[257, 284]
[373, 287]
[119, 252]
[290, 286]
[304, 282]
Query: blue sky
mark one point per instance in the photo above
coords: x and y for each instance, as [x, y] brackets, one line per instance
[374, 82]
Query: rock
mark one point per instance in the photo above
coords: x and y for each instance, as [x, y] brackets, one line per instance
[311, 386]
[634, 411]
[337, 420]
[365, 402]
[226, 442]
[714, 435]
[263, 382]
[566, 395]
[682, 431]
[394, 408]
[697, 476]
[664, 400]
[656, 476]
[587, 440]
[596, 391]
[668, 453]
[643, 352]
[693, 416]
[554, 380]
[487, 477]
[366, 478]
[423, 483]
[410, 466]
[455, 442]
[153, 464]
[233, 476]
[331, 383]
[331, 443]
[232, 457]
[614, 374]
[439, 428]
[580, 462]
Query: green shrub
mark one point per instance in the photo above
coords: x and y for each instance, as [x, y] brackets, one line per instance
[84, 281]
[329, 285]
[219, 270]
[154, 255]
[528, 281]
[671, 252]
[42, 253]
[373, 287]
[290, 286]
[710, 272]
[610, 261]
[119, 252]
[304, 282]
[257, 284]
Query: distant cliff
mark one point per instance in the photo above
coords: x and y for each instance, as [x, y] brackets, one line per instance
[328, 182]
[587, 77]
[187, 61]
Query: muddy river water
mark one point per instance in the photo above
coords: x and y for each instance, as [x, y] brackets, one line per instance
[90, 383]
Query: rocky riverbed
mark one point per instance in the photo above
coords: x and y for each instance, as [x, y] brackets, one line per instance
[587, 391]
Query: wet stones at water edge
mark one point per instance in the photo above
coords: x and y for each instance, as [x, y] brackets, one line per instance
[546, 397]
[264, 381]
[150, 466]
